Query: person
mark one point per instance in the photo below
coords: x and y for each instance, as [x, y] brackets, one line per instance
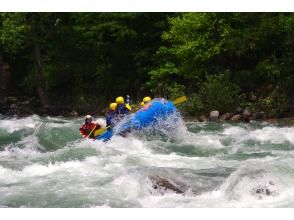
[121, 109]
[111, 116]
[145, 101]
[128, 99]
[88, 128]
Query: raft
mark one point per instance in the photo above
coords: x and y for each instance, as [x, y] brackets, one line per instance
[152, 114]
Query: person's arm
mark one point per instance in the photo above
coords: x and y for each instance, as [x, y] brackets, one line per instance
[82, 132]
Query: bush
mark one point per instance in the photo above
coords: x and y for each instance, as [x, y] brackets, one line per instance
[218, 93]
[273, 104]
[193, 106]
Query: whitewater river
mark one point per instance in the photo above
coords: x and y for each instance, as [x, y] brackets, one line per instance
[45, 163]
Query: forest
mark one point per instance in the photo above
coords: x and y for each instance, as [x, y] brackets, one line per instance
[56, 63]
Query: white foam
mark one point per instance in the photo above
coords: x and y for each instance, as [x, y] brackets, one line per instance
[13, 124]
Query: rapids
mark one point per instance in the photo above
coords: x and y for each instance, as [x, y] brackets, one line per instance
[45, 163]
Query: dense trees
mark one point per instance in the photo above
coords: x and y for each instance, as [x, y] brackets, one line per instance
[219, 60]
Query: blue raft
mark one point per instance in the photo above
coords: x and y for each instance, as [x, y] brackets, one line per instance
[151, 114]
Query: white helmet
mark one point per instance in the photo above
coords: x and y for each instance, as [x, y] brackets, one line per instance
[88, 117]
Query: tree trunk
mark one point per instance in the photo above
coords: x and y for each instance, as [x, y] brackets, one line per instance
[38, 67]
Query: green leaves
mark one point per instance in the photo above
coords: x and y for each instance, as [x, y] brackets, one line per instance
[12, 32]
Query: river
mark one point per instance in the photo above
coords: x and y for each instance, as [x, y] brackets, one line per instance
[45, 163]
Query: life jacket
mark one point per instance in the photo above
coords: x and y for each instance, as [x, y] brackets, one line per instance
[121, 110]
[86, 129]
[111, 118]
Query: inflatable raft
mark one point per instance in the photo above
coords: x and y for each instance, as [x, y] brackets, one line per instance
[152, 114]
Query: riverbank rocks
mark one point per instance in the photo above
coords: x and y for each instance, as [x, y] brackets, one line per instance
[238, 110]
[258, 115]
[225, 117]
[246, 115]
[203, 118]
[236, 117]
[213, 115]
[73, 113]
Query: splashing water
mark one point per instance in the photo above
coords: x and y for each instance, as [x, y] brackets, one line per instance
[45, 163]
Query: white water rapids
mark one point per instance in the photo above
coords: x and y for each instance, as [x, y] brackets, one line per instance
[45, 163]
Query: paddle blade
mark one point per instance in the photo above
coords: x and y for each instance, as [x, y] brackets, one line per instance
[180, 100]
[99, 131]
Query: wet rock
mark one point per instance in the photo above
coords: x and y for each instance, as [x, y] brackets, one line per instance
[268, 189]
[203, 118]
[162, 185]
[236, 117]
[225, 116]
[213, 115]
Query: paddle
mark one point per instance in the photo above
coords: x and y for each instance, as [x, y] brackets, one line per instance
[100, 131]
[180, 100]
[91, 132]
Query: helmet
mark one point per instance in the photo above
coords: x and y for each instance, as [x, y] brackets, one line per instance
[120, 100]
[146, 99]
[142, 104]
[113, 106]
[88, 117]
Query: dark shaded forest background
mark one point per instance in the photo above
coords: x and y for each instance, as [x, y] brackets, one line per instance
[58, 62]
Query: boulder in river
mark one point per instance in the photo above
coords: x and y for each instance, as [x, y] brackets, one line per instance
[163, 185]
[268, 189]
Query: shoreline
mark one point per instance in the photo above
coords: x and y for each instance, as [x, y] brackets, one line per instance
[272, 120]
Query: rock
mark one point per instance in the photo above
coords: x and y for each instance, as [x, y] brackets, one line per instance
[213, 115]
[268, 189]
[236, 117]
[225, 116]
[238, 110]
[162, 185]
[203, 118]
[73, 113]
[246, 115]
[258, 115]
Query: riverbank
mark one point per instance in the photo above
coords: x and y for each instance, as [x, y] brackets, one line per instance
[27, 106]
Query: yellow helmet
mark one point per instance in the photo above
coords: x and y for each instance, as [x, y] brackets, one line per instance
[142, 104]
[113, 106]
[120, 100]
[146, 99]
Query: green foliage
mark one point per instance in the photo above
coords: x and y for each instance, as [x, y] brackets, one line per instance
[12, 32]
[160, 80]
[219, 93]
[194, 105]
[99, 56]
[274, 103]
